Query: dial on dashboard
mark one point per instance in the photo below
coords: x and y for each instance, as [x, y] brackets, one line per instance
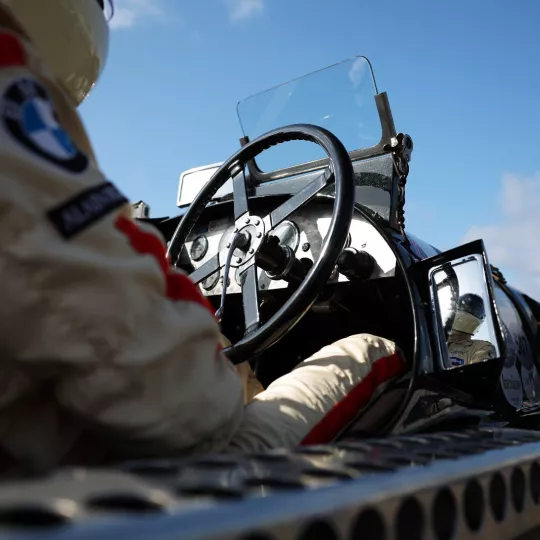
[288, 234]
[199, 248]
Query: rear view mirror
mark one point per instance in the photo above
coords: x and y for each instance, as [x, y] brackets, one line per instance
[457, 292]
[462, 311]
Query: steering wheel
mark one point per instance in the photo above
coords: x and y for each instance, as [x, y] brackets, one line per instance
[252, 244]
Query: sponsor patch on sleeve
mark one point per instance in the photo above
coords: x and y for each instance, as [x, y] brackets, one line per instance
[456, 361]
[28, 115]
[87, 207]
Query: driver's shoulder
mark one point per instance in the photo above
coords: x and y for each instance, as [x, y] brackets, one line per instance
[24, 75]
[47, 165]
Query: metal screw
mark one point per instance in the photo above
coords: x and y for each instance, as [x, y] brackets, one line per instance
[228, 244]
[251, 251]
[259, 234]
[247, 220]
[263, 286]
[305, 247]
[256, 222]
[239, 260]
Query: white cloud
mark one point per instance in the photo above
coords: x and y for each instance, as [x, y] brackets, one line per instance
[513, 243]
[128, 13]
[243, 9]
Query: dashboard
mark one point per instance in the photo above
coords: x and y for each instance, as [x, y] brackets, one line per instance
[304, 232]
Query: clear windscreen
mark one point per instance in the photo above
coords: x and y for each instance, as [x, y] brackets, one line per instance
[338, 98]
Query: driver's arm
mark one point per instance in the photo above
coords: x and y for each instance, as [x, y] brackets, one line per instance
[90, 309]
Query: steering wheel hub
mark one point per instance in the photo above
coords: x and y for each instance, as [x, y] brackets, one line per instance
[251, 230]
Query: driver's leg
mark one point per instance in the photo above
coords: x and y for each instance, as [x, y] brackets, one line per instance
[313, 403]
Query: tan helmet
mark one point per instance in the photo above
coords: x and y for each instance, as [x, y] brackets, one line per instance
[72, 36]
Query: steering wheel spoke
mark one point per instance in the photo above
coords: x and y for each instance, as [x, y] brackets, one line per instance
[240, 200]
[208, 268]
[250, 298]
[282, 212]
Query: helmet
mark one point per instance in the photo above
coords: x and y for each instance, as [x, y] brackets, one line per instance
[71, 35]
[470, 313]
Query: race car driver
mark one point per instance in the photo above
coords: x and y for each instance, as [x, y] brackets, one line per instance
[463, 349]
[106, 349]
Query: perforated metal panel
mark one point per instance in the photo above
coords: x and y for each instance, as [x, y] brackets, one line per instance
[481, 483]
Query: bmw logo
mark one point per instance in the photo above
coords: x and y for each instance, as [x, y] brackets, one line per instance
[29, 116]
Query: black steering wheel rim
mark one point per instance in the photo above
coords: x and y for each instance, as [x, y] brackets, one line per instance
[258, 340]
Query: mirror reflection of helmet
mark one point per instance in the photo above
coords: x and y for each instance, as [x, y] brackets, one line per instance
[72, 36]
[470, 313]
[473, 304]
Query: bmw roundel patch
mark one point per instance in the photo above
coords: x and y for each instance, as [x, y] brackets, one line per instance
[29, 116]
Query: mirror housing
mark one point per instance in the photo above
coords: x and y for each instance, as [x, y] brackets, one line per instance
[193, 180]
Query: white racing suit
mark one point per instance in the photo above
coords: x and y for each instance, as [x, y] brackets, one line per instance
[464, 350]
[104, 346]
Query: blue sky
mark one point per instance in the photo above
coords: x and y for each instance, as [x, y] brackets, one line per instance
[462, 79]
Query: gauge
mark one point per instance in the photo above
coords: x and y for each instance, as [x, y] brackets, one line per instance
[288, 234]
[210, 282]
[199, 248]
